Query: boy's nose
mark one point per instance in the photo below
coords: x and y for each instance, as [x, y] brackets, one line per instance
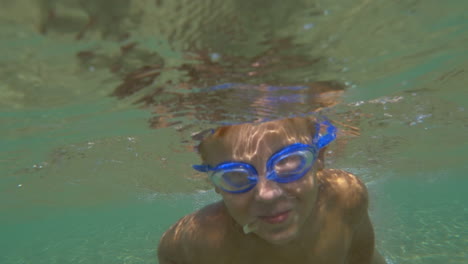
[267, 190]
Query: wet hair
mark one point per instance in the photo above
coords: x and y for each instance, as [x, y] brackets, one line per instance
[244, 138]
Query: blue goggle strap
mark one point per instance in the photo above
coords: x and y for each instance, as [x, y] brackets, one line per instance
[323, 140]
[202, 168]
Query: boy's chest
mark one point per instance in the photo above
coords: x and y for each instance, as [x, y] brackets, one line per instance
[330, 246]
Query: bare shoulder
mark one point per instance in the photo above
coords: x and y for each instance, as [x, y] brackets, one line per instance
[193, 234]
[344, 190]
[346, 193]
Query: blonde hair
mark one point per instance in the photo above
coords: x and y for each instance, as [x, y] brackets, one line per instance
[244, 138]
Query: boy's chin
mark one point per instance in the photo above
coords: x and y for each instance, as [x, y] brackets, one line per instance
[278, 237]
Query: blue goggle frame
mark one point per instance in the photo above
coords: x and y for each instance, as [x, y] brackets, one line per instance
[319, 141]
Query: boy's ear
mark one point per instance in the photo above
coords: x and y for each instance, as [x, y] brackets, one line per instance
[217, 190]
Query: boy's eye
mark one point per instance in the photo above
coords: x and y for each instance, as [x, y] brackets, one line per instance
[289, 164]
[236, 178]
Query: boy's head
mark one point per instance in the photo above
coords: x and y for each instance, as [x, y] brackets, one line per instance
[266, 173]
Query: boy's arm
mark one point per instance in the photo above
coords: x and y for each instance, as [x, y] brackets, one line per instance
[163, 254]
[188, 240]
[377, 258]
[362, 250]
[355, 197]
[164, 261]
[169, 247]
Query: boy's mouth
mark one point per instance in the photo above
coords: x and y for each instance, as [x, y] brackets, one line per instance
[276, 218]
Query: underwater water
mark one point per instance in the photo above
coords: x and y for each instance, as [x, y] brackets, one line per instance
[102, 102]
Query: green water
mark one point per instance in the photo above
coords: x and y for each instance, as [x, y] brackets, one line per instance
[94, 173]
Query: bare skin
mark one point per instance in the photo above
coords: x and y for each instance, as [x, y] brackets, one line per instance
[320, 218]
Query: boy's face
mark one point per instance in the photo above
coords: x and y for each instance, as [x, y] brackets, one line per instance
[275, 211]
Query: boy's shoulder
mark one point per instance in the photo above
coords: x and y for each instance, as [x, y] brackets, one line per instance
[202, 230]
[343, 191]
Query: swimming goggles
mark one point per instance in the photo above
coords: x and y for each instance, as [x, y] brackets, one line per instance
[286, 165]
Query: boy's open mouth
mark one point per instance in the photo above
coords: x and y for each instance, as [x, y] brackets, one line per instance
[276, 218]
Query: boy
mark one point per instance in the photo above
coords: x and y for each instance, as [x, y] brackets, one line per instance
[279, 204]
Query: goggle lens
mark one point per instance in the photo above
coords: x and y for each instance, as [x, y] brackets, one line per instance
[235, 179]
[294, 165]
